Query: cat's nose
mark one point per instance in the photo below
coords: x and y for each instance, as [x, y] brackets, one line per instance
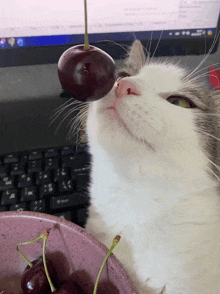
[125, 88]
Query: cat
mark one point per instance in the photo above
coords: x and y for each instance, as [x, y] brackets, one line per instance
[155, 176]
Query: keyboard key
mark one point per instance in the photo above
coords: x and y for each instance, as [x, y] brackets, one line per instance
[3, 208]
[35, 154]
[62, 202]
[82, 181]
[47, 190]
[82, 162]
[6, 183]
[9, 197]
[11, 158]
[61, 174]
[67, 150]
[67, 201]
[19, 207]
[52, 152]
[28, 194]
[24, 180]
[66, 186]
[67, 215]
[51, 163]
[38, 206]
[68, 161]
[43, 177]
[3, 171]
[82, 215]
[35, 166]
[81, 148]
[17, 168]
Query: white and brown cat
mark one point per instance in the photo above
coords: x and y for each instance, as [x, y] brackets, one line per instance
[154, 141]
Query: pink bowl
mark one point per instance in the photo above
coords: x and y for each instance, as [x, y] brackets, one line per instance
[73, 252]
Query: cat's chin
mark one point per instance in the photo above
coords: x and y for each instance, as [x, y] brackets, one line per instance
[114, 115]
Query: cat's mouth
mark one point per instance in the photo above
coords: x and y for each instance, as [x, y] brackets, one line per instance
[113, 114]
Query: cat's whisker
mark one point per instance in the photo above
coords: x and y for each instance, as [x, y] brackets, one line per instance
[149, 47]
[207, 67]
[66, 116]
[74, 103]
[157, 44]
[75, 127]
[57, 110]
[68, 101]
[211, 114]
[66, 104]
[77, 119]
[209, 135]
[210, 157]
[78, 138]
[213, 173]
[64, 107]
[199, 77]
[123, 47]
[76, 123]
[206, 57]
[134, 35]
[204, 75]
[215, 165]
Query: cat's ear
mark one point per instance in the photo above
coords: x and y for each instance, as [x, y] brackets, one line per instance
[136, 58]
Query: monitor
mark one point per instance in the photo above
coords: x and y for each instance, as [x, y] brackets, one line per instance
[38, 32]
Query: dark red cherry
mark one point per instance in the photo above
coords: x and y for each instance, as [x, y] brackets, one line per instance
[34, 279]
[86, 74]
[67, 287]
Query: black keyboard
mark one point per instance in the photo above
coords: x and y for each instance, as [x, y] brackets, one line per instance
[49, 180]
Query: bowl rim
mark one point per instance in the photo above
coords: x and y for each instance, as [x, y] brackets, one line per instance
[77, 229]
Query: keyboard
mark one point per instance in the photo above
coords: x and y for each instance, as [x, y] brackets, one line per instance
[50, 180]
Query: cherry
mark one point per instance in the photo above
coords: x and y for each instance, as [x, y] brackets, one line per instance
[34, 279]
[87, 74]
[67, 287]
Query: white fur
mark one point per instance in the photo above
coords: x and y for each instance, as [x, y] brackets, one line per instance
[150, 185]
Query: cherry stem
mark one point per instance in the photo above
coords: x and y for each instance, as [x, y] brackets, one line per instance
[114, 243]
[45, 263]
[30, 242]
[86, 37]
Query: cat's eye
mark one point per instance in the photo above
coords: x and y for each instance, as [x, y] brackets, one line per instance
[122, 74]
[181, 101]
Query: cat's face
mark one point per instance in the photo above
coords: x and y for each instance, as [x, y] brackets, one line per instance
[153, 113]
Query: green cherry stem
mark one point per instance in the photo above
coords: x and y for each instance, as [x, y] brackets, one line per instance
[45, 236]
[86, 37]
[114, 243]
[29, 242]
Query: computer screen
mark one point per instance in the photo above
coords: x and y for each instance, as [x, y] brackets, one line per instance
[38, 32]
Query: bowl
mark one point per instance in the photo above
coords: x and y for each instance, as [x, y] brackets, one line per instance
[72, 250]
